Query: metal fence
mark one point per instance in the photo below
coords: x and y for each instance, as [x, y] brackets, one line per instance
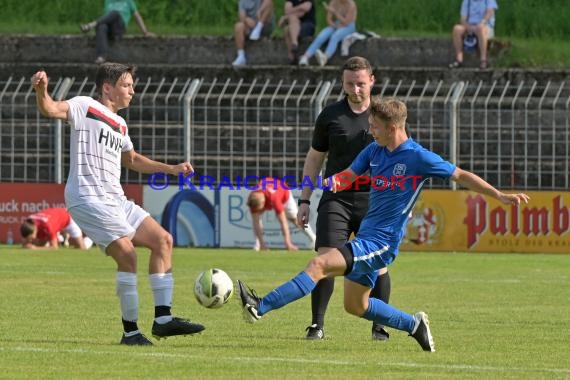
[515, 135]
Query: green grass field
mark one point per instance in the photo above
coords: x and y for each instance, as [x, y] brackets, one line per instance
[492, 316]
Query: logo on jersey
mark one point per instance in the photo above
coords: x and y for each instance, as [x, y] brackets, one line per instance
[112, 141]
[399, 169]
[95, 114]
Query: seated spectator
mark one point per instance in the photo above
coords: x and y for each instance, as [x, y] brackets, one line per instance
[272, 196]
[341, 20]
[477, 19]
[43, 229]
[298, 21]
[256, 19]
[113, 24]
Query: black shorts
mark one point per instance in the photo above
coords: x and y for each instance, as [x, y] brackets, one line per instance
[339, 215]
[307, 29]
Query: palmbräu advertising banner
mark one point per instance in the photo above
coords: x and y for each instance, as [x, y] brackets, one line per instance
[444, 220]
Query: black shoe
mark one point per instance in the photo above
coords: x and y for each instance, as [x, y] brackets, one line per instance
[136, 340]
[249, 301]
[378, 333]
[421, 332]
[295, 53]
[177, 326]
[314, 332]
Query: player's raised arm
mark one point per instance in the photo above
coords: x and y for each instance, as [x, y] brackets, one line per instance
[47, 106]
[142, 164]
[473, 182]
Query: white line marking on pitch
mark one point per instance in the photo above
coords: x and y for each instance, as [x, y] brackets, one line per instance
[296, 360]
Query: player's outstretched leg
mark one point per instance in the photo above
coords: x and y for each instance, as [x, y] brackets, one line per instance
[421, 332]
[381, 290]
[250, 302]
[417, 325]
[254, 307]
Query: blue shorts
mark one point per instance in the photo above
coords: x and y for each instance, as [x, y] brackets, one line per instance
[368, 257]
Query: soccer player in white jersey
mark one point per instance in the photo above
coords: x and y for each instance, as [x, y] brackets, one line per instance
[398, 169]
[99, 146]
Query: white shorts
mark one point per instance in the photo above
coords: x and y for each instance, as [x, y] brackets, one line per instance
[73, 230]
[490, 33]
[104, 223]
[291, 208]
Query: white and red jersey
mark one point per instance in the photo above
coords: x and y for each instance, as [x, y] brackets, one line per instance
[98, 137]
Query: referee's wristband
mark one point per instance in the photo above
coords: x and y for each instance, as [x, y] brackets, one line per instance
[305, 201]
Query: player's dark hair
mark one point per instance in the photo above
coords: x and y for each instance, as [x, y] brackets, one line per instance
[27, 228]
[356, 64]
[110, 72]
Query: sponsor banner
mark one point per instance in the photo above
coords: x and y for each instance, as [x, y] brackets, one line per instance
[236, 228]
[444, 220]
[18, 200]
[218, 218]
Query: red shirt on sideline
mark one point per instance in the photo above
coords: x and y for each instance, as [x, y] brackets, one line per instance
[49, 222]
[275, 195]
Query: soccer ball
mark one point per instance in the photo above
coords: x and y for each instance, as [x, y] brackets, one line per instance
[213, 288]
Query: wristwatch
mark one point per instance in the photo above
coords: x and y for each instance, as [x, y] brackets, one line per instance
[305, 201]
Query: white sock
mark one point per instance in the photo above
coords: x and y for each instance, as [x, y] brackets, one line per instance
[131, 333]
[128, 295]
[162, 285]
[241, 53]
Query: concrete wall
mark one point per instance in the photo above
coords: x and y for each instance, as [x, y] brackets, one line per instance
[208, 57]
[392, 52]
[213, 50]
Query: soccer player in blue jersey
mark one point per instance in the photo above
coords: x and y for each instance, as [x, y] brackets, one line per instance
[398, 169]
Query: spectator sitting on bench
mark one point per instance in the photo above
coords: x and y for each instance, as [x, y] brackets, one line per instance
[478, 20]
[256, 19]
[113, 24]
[341, 20]
[298, 21]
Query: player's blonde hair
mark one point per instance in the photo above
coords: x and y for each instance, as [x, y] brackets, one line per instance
[390, 110]
[256, 200]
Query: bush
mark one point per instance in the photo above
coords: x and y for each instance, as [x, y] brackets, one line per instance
[544, 19]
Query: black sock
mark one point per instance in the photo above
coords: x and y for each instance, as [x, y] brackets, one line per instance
[161, 311]
[320, 298]
[130, 326]
[382, 287]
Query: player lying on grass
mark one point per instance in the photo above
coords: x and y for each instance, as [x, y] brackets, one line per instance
[42, 230]
[398, 169]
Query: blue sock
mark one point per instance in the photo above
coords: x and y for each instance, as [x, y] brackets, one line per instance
[380, 312]
[297, 287]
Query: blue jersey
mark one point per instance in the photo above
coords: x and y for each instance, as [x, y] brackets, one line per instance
[397, 178]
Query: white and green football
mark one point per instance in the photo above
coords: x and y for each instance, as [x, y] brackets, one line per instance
[213, 288]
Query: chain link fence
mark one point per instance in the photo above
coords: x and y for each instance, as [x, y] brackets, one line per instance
[515, 135]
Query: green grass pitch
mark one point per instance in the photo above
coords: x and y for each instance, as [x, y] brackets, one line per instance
[493, 316]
